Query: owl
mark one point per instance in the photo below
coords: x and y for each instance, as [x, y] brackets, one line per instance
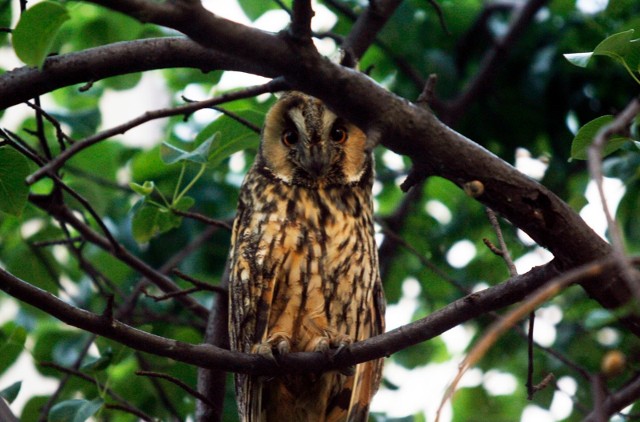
[303, 264]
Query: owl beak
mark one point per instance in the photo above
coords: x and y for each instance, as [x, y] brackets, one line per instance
[315, 159]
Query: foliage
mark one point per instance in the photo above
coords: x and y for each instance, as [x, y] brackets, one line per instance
[146, 195]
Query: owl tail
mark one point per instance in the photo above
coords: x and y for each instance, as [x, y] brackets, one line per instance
[363, 386]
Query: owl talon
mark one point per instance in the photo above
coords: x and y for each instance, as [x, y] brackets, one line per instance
[264, 350]
[278, 343]
[283, 347]
[322, 345]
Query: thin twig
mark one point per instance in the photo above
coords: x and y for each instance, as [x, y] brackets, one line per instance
[128, 409]
[238, 119]
[172, 294]
[61, 212]
[202, 285]
[44, 243]
[177, 382]
[613, 403]
[55, 164]
[160, 391]
[538, 297]
[123, 403]
[44, 410]
[56, 124]
[39, 133]
[204, 219]
[439, 12]
[618, 125]
[428, 92]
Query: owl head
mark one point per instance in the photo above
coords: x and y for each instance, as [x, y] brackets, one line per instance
[305, 143]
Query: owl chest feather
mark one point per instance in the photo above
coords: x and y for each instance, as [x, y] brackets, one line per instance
[311, 258]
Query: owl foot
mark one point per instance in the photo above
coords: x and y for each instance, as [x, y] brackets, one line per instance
[337, 342]
[280, 343]
[331, 341]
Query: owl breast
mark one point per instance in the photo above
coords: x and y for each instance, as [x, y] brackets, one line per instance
[315, 253]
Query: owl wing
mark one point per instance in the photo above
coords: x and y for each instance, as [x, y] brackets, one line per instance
[251, 290]
[366, 380]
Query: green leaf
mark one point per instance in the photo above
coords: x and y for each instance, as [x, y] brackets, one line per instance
[100, 363]
[234, 136]
[621, 47]
[12, 339]
[184, 203]
[172, 154]
[11, 392]
[36, 31]
[5, 17]
[254, 9]
[76, 410]
[151, 220]
[145, 189]
[617, 46]
[579, 59]
[14, 169]
[144, 225]
[584, 138]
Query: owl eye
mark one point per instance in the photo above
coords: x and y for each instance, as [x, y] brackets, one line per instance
[339, 134]
[290, 137]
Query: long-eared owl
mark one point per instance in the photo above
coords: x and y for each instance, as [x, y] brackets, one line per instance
[304, 266]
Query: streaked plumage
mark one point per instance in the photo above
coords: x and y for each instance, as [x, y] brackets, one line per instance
[304, 266]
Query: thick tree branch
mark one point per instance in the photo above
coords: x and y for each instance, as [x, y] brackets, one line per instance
[300, 28]
[22, 84]
[208, 356]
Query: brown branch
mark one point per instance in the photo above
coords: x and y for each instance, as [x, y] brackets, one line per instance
[619, 125]
[5, 412]
[203, 219]
[538, 297]
[124, 404]
[200, 284]
[21, 84]
[481, 82]
[238, 119]
[61, 212]
[44, 410]
[54, 122]
[208, 356]
[177, 382]
[53, 165]
[211, 382]
[617, 401]
[368, 25]
[300, 28]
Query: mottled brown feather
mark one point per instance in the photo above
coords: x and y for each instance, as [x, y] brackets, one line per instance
[304, 267]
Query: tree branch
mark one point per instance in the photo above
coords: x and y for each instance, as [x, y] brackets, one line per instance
[300, 28]
[208, 356]
[481, 81]
[618, 400]
[53, 165]
[61, 212]
[368, 25]
[22, 84]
